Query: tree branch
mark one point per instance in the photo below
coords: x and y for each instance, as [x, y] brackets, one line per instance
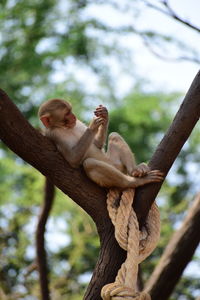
[171, 13]
[170, 146]
[40, 239]
[41, 153]
[150, 46]
[177, 255]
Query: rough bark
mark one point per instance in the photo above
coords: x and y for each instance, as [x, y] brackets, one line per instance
[176, 256]
[38, 151]
[42, 263]
[170, 146]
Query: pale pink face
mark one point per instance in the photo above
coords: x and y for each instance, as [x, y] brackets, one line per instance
[69, 118]
[63, 117]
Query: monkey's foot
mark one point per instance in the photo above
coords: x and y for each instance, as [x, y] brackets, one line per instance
[151, 176]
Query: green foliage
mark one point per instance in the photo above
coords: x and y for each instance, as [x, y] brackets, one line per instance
[84, 245]
[142, 120]
[185, 290]
[20, 183]
[19, 189]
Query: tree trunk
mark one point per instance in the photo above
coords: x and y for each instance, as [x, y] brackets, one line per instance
[38, 151]
[177, 255]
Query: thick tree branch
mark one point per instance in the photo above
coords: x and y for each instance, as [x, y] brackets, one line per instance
[41, 153]
[40, 239]
[177, 255]
[170, 146]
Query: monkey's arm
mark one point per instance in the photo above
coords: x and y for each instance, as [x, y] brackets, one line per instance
[100, 138]
[74, 155]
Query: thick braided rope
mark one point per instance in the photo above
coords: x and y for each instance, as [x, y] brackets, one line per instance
[138, 244]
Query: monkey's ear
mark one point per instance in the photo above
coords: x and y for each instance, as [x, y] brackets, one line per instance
[45, 120]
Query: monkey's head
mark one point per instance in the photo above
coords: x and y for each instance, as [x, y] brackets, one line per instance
[57, 113]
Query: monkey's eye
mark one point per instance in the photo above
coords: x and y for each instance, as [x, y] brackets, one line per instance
[66, 116]
[68, 113]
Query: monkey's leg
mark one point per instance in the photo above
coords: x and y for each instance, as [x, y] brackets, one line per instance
[120, 154]
[105, 175]
[108, 176]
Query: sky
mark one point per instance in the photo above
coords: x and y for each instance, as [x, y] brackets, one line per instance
[155, 73]
[174, 75]
[163, 74]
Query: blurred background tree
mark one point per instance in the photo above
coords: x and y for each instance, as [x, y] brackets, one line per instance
[64, 49]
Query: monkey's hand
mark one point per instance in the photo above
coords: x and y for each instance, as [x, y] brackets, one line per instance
[95, 123]
[101, 111]
[141, 170]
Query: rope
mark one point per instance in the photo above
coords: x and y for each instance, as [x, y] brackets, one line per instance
[138, 244]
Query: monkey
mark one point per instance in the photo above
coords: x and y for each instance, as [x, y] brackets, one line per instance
[83, 145]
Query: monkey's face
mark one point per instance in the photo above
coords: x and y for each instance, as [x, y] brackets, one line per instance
[57, 113]
[63, 117]
[69, 118]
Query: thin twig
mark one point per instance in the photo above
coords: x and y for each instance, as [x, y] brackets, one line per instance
[40, 240]
[171, 13]
[149, 46]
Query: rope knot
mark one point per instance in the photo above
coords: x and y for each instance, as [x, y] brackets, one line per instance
[113, 291]
[119, 292]
[138, 244]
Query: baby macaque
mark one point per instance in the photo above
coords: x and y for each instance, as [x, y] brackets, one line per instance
[82, 145]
